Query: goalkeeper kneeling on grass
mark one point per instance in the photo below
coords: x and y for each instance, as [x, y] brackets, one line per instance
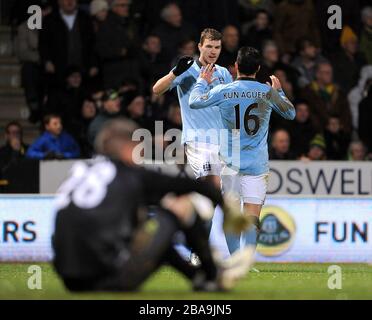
[105, 239]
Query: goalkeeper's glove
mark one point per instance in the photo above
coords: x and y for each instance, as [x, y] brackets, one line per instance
[183, 64]
[234, 220]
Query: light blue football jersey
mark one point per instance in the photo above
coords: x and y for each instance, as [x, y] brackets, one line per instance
[245, 106]
[197, 124]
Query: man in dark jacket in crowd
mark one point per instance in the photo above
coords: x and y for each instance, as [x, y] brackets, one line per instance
[326, 99]
[110, 109]
[173, 30]
[14, 148]
[301, 130]
[117, 46]
[348, 61]
[66, 39]
[280, 146]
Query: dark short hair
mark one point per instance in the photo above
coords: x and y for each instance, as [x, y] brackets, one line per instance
[210, 34]
[303, 42]
[50, 116]
[248, 60]
[13, 123]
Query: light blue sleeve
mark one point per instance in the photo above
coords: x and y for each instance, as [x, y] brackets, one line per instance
[229, 77]
[176, 82]
[281, 104]
[200, 97]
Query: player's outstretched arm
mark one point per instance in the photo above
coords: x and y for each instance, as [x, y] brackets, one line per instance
[158, 185]
[200, 96]
[163, 84]
[278, 100]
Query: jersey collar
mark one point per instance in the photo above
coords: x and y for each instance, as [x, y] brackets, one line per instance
[246, 78]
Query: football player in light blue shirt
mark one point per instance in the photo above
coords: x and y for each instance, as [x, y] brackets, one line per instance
[200, 128]
[245, 107]
[202, 125]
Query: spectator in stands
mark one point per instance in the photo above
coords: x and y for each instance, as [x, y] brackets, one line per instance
[14, 148]
[336, 139]
[186, 48]
[348, 61]
[249, 8]
[67, 101]
[81, 124]
[287, 86]
[67, 38]
[306, 60]
[230, 46]
[54, 143]
[259, 32]
[173, 30]
[365, 116]
[293, 20]
[271, 62]
[366, 35]
[27, 43]
[358, 93]
[110, 109]
[135, 109]
[317, 149]
[350, 16]
[325, 98]
[280, 146]
[98, 10]
[97, 98]
[302, 130]
[117, 45]
[357, 151]
[153, 60]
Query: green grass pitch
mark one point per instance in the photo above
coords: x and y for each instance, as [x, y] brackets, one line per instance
[274, 281]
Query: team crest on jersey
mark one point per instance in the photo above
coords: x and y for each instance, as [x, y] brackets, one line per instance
[221, 79]
[277, 231]
[207, 167]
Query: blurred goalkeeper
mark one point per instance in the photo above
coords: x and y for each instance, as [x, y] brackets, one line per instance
[104, 238]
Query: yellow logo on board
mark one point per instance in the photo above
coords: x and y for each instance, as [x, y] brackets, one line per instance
[277, 231]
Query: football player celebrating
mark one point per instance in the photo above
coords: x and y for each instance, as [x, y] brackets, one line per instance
[245, 107]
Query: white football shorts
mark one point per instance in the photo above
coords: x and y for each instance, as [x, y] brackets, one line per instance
[251, 189]
[203, 159]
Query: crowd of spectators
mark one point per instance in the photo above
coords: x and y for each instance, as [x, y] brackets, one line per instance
[95, 60]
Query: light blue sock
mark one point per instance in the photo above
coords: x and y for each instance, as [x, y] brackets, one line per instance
[249, 238]
[233, 242]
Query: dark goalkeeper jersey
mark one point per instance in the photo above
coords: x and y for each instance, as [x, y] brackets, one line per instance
[98, 209]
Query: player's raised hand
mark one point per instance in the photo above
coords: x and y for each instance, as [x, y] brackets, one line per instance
[183, 64]
[206, 73]
[275, 83]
